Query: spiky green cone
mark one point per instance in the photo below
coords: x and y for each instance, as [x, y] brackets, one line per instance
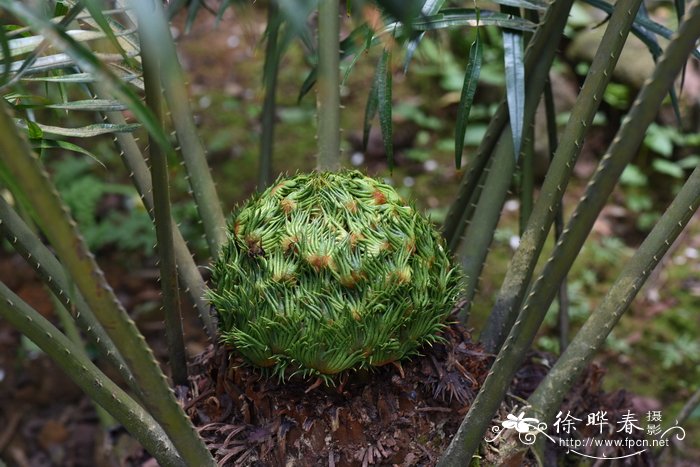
[327, 272]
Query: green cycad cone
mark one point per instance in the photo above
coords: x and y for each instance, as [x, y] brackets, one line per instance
[327, 272]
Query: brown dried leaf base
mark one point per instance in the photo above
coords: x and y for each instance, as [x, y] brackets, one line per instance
[399, 414]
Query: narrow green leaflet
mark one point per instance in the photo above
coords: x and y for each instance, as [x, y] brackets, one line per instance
[78, 78]
[90, 63]
[82, 132]
[471, 79]
[384, 104]
[515, 85]
[456, 17]
[91, 105]
[29, 44]
[56, 144]
[26, 65]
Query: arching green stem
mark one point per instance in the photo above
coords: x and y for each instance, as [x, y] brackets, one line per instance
[161, 218]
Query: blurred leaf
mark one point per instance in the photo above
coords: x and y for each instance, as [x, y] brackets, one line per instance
[384, 104]
[537, 5]
[660, 139]
[370, 109]
[296, 13]
[5, 50]
[668, 168]
[95, 9]
[515, 85]
[430, 7]
[82, 132]
[689, 162]
[355, 44]
[680, 11]
[405, 11]
[633, 176]
[222, 9]
[91, 105]
[272, 60]
[80, 78]
[471, 79]
[29, 44]
[652, 44]
[640, 20]
[192, 11]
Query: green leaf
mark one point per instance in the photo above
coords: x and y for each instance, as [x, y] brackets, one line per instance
[471, 79]
[384, 104]
[33, 130]
[515, 85]
[91, 105]
[82, 132]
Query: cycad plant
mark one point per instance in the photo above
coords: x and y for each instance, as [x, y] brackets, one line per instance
[330, 271]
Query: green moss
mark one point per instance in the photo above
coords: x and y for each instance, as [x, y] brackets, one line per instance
[328, 272]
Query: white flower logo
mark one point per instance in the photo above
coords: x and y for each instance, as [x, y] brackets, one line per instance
[520, 423]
